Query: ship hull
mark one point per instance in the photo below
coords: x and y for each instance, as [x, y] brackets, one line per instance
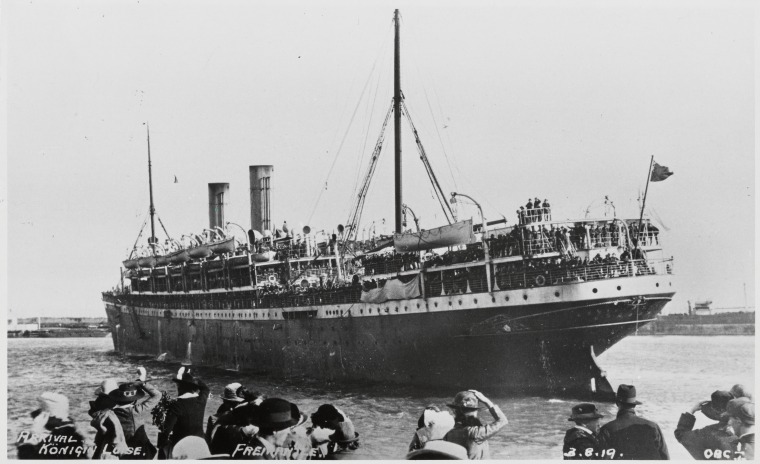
[454, 342]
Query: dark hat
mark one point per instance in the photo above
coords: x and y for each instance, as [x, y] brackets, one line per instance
[715, 408]
[742, 409]
[277, 414]
[127, 393]
[466, 401]
[626, 394]
[327, 416]
[185, 376]
[584, 411]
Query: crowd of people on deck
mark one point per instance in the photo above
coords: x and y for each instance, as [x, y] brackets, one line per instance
[250, 425]
[534, 211]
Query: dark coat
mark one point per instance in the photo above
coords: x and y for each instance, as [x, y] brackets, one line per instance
[633, 437]
[577, 444]
[64, 442]
[697, 442]
[185, 417]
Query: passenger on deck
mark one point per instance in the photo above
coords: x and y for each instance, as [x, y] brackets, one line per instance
[468, 430]
[547, 210]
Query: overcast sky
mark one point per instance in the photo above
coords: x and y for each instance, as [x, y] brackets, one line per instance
[561, 102]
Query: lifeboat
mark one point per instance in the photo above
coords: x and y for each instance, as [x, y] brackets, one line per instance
[201, 251]
[263, 256]
[147, 261]
[162, 260]
[130, 263]
[179, 257]
[223, 246]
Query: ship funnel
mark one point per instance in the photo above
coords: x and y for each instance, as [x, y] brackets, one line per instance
[261, 197]
[218, 196]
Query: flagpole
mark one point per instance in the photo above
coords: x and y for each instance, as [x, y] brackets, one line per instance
[643, 204]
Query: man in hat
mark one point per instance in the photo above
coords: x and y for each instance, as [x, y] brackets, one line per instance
[134, 403]
[184, 416]
[630, 436]
[278, 421]
[53, 434]
[741, 417]
[231, 398]
[580, 441]
[703, 443]
[468, 430]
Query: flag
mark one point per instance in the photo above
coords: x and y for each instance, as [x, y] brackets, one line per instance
[659, 173]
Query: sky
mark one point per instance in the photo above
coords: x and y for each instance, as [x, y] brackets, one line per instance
[564, 101]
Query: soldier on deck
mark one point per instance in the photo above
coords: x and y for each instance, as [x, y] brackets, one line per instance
[580, 441]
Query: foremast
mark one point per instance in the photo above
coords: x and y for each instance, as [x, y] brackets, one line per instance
[397, 122]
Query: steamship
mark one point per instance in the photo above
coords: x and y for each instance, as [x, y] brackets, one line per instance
[524, 308]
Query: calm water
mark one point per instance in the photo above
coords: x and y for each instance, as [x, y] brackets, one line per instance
[671, 373]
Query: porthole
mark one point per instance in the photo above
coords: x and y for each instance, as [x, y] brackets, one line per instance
[474, 300]
[525, 297]
[493, 299]
[449, 303]
[556, 294]
[507, 298]
[619, 287]
[460, 302]
[594, 290]
[657, 284]
[418, 306]
[670, 284]
[436, 304]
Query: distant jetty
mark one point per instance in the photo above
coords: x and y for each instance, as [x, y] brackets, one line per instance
[735, 323]
[58, 327]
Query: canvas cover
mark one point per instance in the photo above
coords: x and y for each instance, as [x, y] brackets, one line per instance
[393, 289]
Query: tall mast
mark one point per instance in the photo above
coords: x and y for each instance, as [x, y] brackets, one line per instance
[152, 240]
[397, 121]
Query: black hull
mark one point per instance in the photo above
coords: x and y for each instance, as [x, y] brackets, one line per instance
[544, 348]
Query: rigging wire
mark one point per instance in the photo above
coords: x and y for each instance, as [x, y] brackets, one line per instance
[345, 135]
[139, 234]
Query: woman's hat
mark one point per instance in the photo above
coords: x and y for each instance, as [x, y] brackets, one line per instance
[715, 408]
[327, 416]
[439, 449]
[466, 401]
[277, 414]
[185, 375]
[626, 394]
[55, 404]
[126, 393]
[584, 411]
[231, 393]
[107, 386]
